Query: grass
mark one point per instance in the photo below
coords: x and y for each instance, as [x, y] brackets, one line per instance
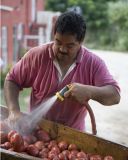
[23, 99]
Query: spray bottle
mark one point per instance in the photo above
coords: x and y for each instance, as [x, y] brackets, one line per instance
[60, 94]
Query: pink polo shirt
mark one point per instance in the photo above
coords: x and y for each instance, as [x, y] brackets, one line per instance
[37, 69]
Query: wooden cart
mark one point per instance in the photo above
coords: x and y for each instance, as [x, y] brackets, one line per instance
[86, 142]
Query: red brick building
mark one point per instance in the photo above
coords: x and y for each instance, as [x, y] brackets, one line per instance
[24, 24]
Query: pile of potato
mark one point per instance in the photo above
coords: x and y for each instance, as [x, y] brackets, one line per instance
[40, 144]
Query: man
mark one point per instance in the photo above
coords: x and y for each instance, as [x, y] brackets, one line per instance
[50, 67]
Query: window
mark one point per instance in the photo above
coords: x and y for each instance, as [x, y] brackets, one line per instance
[4, 46]
[15, 44]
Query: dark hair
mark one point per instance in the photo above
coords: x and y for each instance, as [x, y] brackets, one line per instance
[72, 23]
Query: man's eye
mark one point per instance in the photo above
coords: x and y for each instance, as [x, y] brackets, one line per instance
[57, 43]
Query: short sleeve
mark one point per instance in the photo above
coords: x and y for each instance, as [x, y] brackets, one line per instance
[23, 72]
[102, 76]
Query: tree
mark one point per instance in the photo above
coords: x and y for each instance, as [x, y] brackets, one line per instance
[95, 11]
[118, 22]
[57, 5]
[107, 20]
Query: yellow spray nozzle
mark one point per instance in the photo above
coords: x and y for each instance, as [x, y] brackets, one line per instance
[60, 94]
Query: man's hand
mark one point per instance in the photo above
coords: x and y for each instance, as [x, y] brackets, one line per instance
[14, 117]
[16, 120]
[106, 95]
[79, 92]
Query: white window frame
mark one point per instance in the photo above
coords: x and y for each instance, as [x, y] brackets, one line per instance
[33, 10]
[4, 46]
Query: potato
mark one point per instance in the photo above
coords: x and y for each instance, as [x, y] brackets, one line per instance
[43, 136]
[30, 139]
[25, 145]
[66, 153]
[108, 158]
[63, 145]
[51, 155]
[39, 145]
[46, 144]
[72, 156]
[56, 158]
[43, 154]
[74, 152]
[10, 134]
[32, 150]
[55, 149]
[95, 157]
[52, 143]
[2, 146]
[45, 150]
[81, 155]
[17, 142]
[7, 145]
[62, 156]
[72, 147]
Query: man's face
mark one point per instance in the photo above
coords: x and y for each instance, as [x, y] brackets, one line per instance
[65, 47]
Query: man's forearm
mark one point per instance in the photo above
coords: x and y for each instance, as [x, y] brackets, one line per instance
[11, 92]
[106, 95]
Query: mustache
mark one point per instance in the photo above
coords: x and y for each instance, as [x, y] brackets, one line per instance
[63, 53]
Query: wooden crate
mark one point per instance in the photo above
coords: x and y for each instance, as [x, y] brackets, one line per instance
[10, 155]
[84, 141]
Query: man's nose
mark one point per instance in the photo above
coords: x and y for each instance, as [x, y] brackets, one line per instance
[63, 49]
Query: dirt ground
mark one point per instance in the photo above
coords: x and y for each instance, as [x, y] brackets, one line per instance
[112, 121]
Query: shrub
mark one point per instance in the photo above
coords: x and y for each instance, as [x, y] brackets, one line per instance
[118, 20]
[3, 75]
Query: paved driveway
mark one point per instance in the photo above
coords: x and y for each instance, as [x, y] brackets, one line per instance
[112, 121]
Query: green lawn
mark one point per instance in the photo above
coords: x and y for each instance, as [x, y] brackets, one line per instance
[23, 99]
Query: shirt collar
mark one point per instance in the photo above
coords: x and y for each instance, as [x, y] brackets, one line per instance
[80, 55]
[51, 53]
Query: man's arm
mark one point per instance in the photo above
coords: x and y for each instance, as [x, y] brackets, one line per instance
[106, 95]
[16, 118]
[11, 92]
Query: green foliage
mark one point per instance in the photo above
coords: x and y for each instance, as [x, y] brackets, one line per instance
[118, 20]
[24, 94]
[56, 5]
[24, 98]
[94, 12]
[107, 21]
[3, 75]
[118, 14]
